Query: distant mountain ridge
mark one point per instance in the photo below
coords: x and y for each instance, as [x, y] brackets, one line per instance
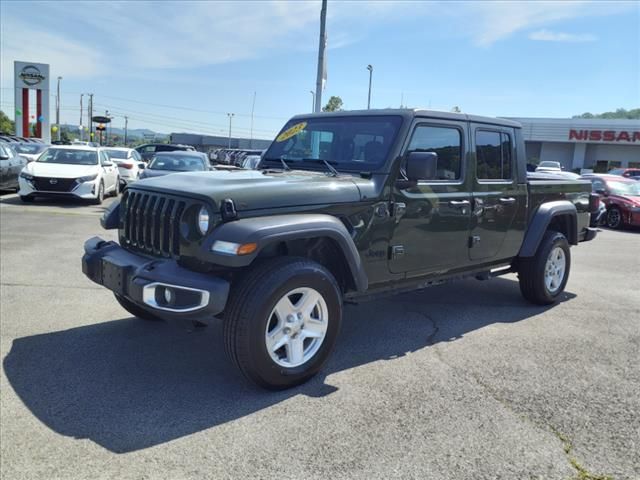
[132, 133]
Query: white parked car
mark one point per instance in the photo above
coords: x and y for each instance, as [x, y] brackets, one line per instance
[70, 171]
[129, 163]
[549, 166]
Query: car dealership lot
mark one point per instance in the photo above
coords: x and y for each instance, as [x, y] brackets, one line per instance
[465, 380]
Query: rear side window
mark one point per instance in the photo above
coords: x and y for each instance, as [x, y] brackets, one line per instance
[493, 155]
[446, 142]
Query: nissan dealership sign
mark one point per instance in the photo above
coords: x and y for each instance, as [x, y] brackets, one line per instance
[618, 136]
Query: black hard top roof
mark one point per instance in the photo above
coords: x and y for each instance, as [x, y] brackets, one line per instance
[411, 113]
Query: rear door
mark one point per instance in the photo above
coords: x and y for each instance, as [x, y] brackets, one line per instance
[497, 196]
[5, 166]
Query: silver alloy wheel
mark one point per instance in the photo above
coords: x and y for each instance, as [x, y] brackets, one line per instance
[555, 269]
[297, 327]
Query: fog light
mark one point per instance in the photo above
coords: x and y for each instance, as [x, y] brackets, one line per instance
[168, 296]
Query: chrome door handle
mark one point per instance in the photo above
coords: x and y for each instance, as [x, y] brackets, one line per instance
[459, 203]
[507, 201]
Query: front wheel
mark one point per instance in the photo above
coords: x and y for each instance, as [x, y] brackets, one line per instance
[614, 218]
[544, 276]
[282, 321]
[100, 195]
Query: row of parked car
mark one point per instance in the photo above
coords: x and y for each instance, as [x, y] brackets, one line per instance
[88, 172]
[243, 158]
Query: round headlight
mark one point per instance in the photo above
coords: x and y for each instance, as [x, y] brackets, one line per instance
[203, 220]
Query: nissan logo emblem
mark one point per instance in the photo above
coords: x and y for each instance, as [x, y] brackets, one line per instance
[53, 181]
[31, 75]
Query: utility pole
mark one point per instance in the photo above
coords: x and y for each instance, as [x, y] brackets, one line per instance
[370, 68]
[90, 116]
[313, 100]
[81, 129]
[126, 124]
[322, 66]
[58, 107]
[106, 114]
[230, 115]
[253, 106]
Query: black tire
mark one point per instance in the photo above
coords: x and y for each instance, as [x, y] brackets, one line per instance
[135, 310]
[99, 199]
[116, 189]
[531, 271]
[248, 314]
[614, 218]
[26, 199]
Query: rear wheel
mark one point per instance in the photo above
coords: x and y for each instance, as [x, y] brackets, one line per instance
[135, 310]
[282, 321]
[614, 218]
[544, 276]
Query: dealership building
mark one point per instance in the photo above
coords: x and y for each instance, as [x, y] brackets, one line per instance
[579, 143]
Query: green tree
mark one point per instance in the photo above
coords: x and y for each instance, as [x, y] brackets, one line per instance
[620, 113]
[333, 105]
[6, 124]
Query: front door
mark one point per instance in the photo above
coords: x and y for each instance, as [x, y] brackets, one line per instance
[497, 196]
[432, 217]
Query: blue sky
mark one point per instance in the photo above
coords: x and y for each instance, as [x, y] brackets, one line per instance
[180, 66]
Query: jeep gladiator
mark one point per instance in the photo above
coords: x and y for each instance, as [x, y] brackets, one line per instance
[343, 206]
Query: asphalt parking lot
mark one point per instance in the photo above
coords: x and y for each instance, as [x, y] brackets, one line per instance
[458, 381]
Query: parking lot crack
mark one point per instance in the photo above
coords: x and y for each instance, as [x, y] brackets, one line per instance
[581, 472]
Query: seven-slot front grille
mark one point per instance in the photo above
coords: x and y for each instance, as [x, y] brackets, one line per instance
[48, 184]
[151, 223]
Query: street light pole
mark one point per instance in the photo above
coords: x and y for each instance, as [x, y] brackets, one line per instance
[126, 125]
[90, 116]
[253, 107]
[322, 71]
[230, 115]
[58, 107]
[313, 100]
[370, 68]
[81, 129]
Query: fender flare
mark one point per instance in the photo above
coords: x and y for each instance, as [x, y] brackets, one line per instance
[541, 220]
[267, 230]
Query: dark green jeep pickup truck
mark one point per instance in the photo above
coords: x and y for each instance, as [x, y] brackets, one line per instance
[344, 206]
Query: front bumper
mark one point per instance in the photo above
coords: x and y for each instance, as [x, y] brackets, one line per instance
[145, 281]
[85, 190]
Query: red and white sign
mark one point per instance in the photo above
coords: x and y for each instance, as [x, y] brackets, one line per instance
[621, 136]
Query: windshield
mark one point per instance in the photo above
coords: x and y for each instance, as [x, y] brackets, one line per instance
[72, 157]
[177, 163]
[121, 154]
[550, 164]
[624, 188]
[29, 148]
[348, 143]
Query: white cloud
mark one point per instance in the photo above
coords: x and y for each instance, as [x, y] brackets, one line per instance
[549, 36]
[489, 22]
[21, 41]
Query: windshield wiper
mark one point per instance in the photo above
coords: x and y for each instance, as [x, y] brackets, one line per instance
[281, 159]
[332, 171]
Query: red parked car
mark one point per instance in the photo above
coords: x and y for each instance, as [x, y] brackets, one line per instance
[633, 173]
[621, 196]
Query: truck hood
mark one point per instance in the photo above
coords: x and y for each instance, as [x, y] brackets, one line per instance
[252, 190]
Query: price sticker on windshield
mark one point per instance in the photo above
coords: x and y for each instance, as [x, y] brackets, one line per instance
[291, 132]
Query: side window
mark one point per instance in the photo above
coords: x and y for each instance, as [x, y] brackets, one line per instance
[446, 142]
[4, 152]
[136, 156]
[493, 155]
[149, 149]
[103, 158]
[598, 185]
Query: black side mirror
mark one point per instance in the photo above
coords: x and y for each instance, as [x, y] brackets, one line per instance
[601, 191]
[4, 157]
[141, 166]
[422, 166]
